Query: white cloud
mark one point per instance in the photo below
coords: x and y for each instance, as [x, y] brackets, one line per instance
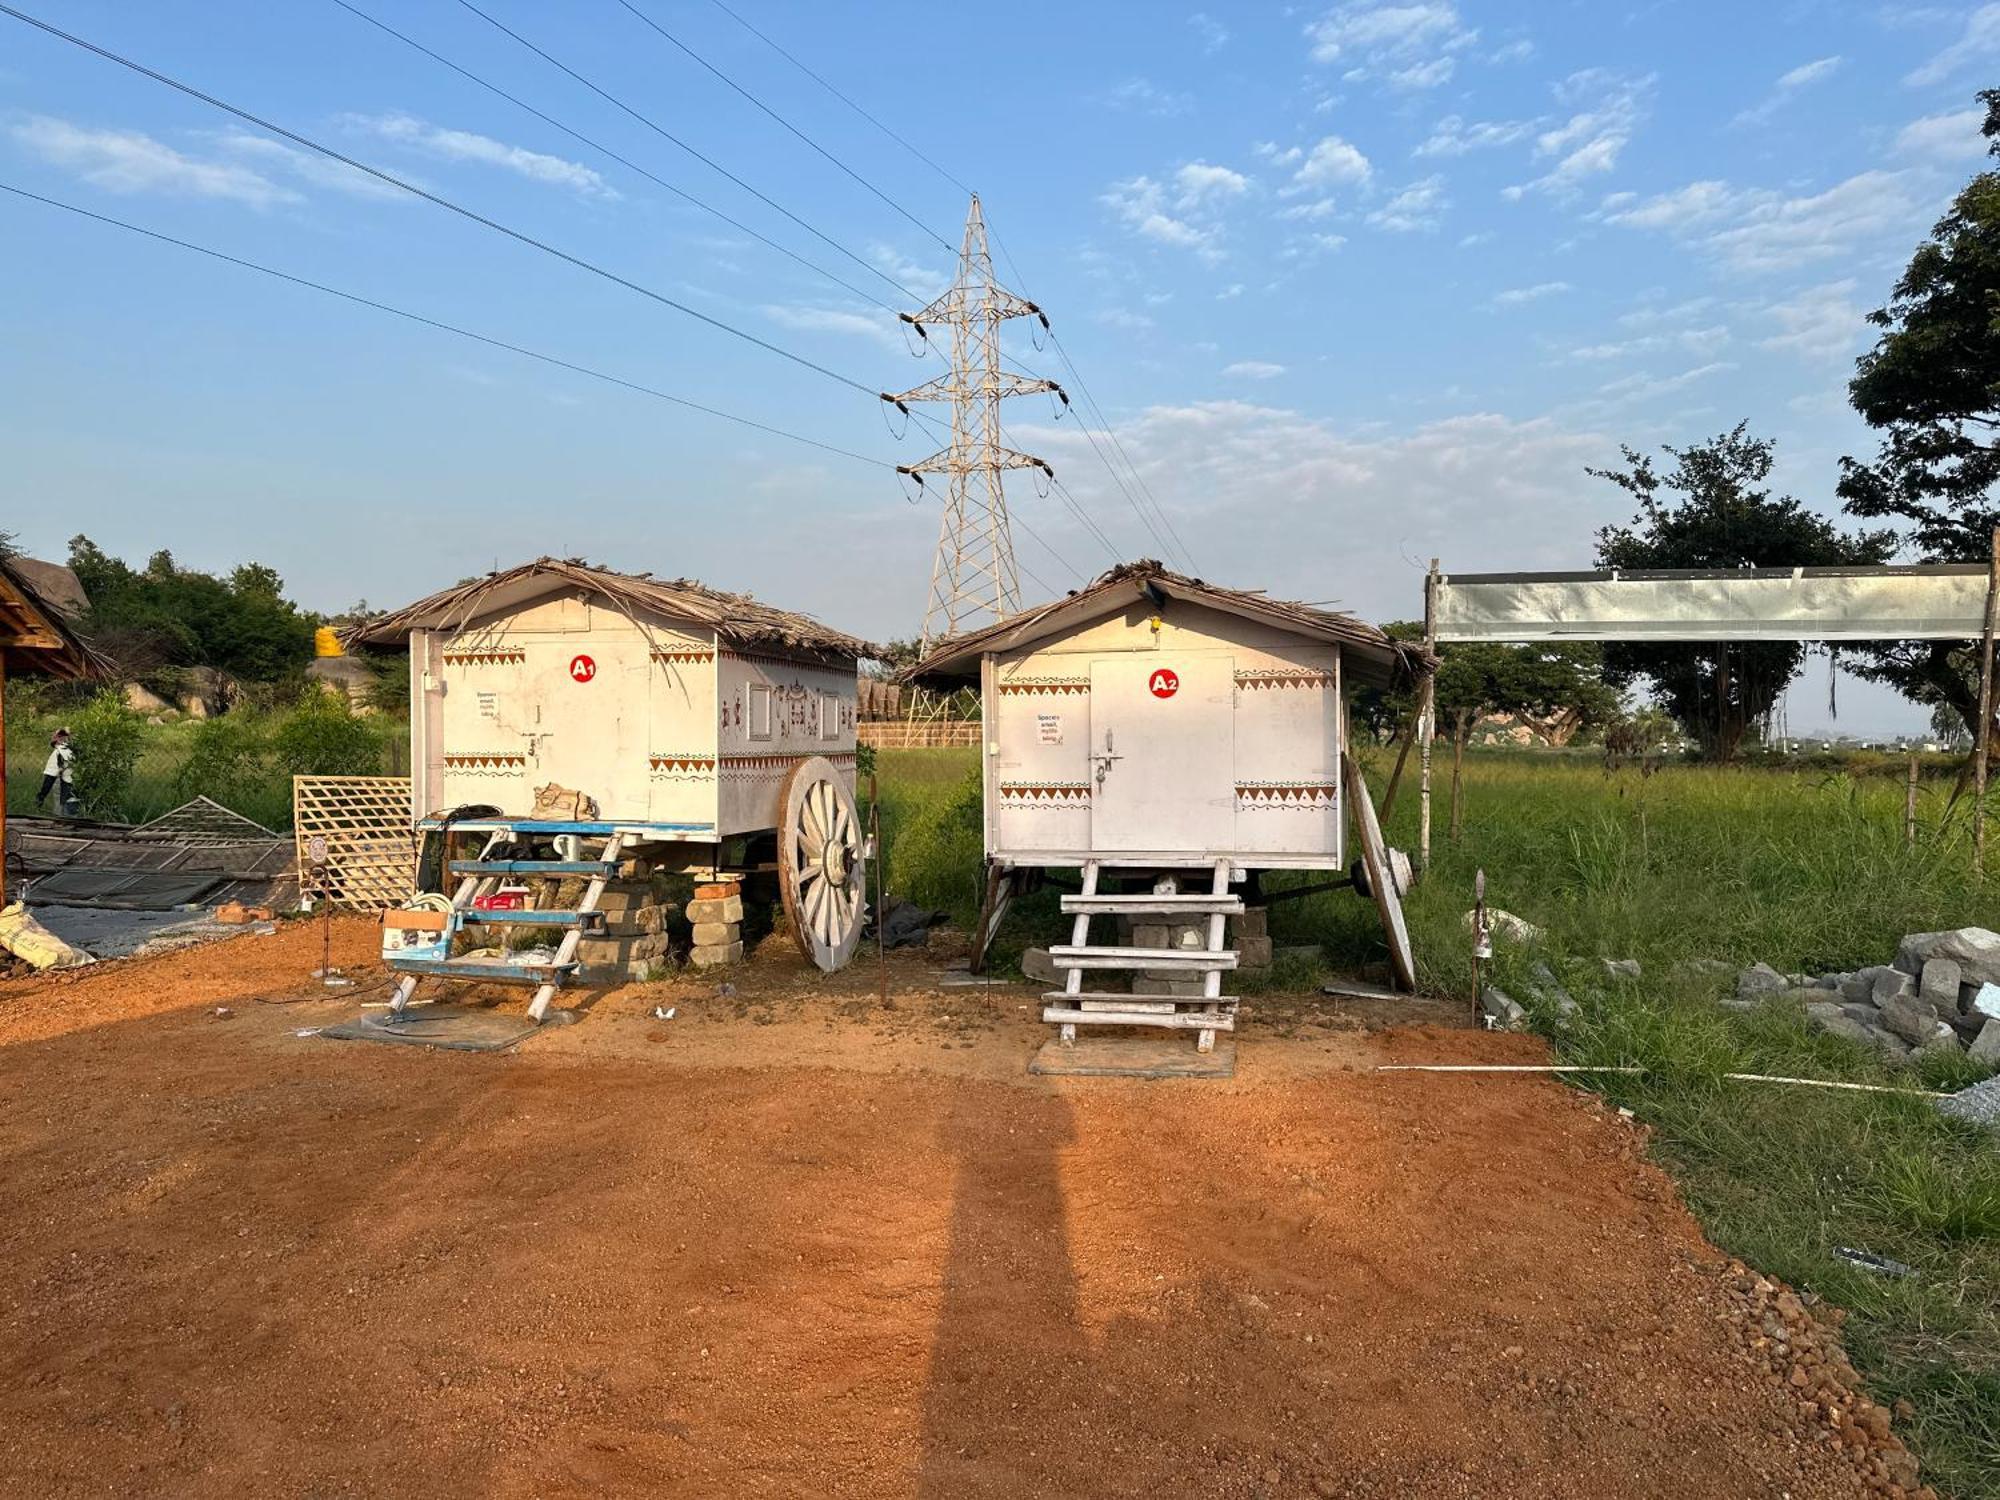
[926, 281]
[1144, 95]
[1650, 316]
[1700, 342]
[1949, 137]
[1122, 317]
[128, 161]
[1979, 41]
[463, 145]
[1318, 208]
[1788, 84]
[1453, 136]
[1411, 45]
[1811, 72]
[1479, 237]
[1230, 293]
[1606, 108]
[1515, 296]
[1214, 35]
[1518, 50]
[1420, 206]
[1379, 499]
[1757, 230]
[1631, 388]
[1684, 207]
[1821, 324]
[1252, 369]
[1202, 183]
[1270, 151]
[308, 166]
[1331, 162]
[807, 319]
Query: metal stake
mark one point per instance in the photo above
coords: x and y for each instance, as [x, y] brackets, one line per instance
[1985, 712]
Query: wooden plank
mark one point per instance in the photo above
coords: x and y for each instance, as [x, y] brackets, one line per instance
[1140, 905]
[1192, 1021]
[1070, 956]
[1147, 998]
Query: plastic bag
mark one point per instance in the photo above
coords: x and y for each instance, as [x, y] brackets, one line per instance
[28, 940]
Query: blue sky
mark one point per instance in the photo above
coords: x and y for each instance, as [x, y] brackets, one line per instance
[1357, 285]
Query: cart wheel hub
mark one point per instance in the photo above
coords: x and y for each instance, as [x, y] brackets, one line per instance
[836, 861]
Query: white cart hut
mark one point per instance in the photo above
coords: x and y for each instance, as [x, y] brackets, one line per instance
[702, 726]
[1156, 727]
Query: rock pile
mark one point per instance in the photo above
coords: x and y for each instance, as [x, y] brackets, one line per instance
[1941, 991]
[1776, 1328]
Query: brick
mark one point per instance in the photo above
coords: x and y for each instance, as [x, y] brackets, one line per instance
[727, 909]
[713, 934]
[720, 890]
[626, 898]
[713, 956]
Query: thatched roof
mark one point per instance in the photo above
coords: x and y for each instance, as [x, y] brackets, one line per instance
[736, 618]
[35, 632]
[1371, 655]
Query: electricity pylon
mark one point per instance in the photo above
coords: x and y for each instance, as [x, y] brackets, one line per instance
[974, 572]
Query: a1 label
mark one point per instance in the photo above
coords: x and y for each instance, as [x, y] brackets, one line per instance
[582, 669]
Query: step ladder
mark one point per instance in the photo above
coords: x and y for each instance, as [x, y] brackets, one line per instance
[479, 877]
[1210, 1012]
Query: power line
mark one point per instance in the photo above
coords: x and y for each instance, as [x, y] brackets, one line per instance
[667, 135]
[767, 41]
[606, 151]
[430, 197]
[712, 68]
[1082, 388]
[466, 333]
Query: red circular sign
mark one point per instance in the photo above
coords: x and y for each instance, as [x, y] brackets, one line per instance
[1165, 682]
[582, 668]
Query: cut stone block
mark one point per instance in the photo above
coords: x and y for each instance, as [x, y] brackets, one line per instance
[710, 956]
[1501, 1011]
[728, 909]
[1253, 953]
[1908, 1018]
[1037, 965]
[1986, 1046]
[1889, 984]
[1252, 921]
[1167, 982]
[717, 934]
[596, 950]
[1938, 988]
[644, 921]
[1974, 949]
[1758, 979]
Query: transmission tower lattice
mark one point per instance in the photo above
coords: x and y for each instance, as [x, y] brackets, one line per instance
[974, 573]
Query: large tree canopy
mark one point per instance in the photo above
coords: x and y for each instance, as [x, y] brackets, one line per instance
[1725, 517]
[165, 615]
[1932, 385]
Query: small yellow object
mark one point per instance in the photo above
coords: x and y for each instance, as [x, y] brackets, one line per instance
[1155, 623]
[326, 642]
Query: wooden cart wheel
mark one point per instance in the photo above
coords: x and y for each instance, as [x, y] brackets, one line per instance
[820, 870]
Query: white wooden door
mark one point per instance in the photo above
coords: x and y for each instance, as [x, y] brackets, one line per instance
[1163, 753]
[591, 731]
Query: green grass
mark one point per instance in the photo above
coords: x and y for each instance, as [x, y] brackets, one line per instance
[1803, 868]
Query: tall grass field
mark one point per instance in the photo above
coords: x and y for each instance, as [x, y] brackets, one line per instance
[1805, 869]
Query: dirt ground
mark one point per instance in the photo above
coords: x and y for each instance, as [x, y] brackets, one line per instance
[797, 1242]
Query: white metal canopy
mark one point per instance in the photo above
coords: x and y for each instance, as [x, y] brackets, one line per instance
[1932, 602]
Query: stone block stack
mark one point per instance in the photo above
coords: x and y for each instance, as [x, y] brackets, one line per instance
[1190, 935]
[633, 942]
[716, 913]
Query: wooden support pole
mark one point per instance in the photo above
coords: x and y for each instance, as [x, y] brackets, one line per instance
[1910, 807]
[1427, 721]
[1410, 732]
[1979, 750]
[1461, 729]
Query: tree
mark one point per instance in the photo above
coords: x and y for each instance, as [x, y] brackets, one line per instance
[1725, 518]
[167, 616]
[1932, 385]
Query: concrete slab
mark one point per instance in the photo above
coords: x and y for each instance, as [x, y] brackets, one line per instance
[104, 933]
[457, 1028]
[1133, 1057]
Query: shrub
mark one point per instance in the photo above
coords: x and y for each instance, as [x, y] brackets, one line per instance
[107, 736]
[320, 736]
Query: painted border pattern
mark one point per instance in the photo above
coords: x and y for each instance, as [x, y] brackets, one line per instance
[486, 656]
[1305, 794]
[1015, 687]
[677, 655]
[505, 762]
[1256, 679]
[1027, 793]
[698, 765]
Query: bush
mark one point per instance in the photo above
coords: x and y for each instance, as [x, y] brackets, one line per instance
[320, 736]
[107, 737]
[940, 857]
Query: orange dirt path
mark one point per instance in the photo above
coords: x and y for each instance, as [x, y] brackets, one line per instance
[794, 1242]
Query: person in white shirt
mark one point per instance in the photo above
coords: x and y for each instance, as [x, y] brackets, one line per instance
[58, 776]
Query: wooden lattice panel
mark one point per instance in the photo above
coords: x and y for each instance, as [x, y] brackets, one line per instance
[371, 850]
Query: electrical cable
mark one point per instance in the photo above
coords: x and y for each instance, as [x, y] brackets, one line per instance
[707, 161]
[841, 97]
[712, 68]
[606, 151]
[496, 343]
[430, 197]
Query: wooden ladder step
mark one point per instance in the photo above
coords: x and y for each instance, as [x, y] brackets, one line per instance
[558, 918]
[532, 867]
[1083, 956]
[494, 970]
[1178, 1021]
[1137, 1000]
[1153, 905]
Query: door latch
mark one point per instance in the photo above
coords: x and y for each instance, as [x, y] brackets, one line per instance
[1104, 761]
